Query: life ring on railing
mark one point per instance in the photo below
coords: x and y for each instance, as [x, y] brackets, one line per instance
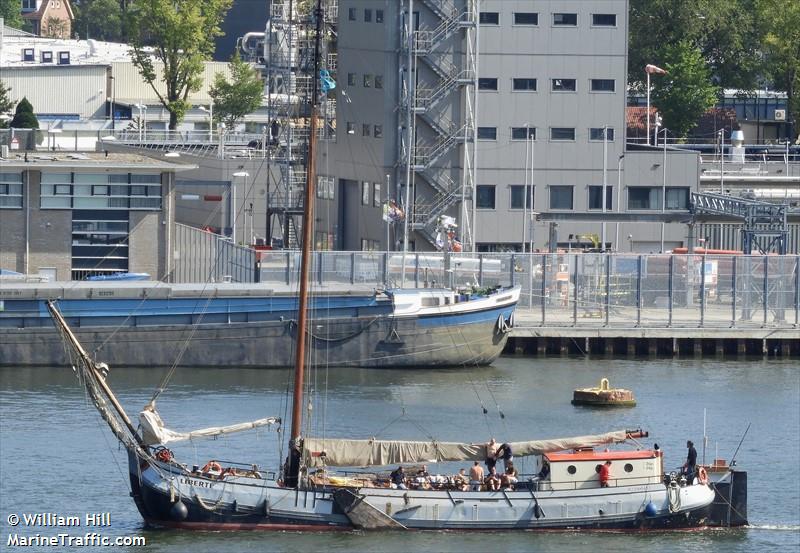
[702, 475]
[212, 466]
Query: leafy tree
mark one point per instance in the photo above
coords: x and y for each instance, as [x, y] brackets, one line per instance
[181, 33]
[686, 91]
[723, 30]
[24, 117]
[242, 95]
[99, 19]
[780, 22]
[5, 104]
[10, 11]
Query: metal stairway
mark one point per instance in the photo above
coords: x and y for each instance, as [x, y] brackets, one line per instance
[444, 137]
[765, 224]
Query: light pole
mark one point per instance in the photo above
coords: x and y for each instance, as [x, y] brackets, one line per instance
[141, 107]
[605, 184]
[525, 190]
[619, 198]
[649, 69]
[113, 99]
[210, 112]
[663, 184]
[238, 174]
[721, 160]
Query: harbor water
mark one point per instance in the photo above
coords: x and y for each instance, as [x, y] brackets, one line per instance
[57, 456]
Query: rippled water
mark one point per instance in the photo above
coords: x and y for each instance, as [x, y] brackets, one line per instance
[57, 456]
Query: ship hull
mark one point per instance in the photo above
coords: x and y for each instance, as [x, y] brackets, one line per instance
[369, 334]
[264, 505]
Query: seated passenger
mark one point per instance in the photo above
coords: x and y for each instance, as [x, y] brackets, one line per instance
[545, 472]
[509, 478]
[493, 480]
[398, 478]
[461, 481]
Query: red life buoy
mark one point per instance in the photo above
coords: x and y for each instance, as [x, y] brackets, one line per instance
[702, 475]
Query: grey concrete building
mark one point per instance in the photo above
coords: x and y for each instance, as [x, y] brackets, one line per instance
[550, 76]
[70, 216]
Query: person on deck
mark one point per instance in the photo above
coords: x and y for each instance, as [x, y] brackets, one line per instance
[493, 480]
[504, 452]
[491, 455]
[461, 480]
[509, 477]
[605, 474]
[476, 477]
[690, 466]
[545, 472]
[398, 478]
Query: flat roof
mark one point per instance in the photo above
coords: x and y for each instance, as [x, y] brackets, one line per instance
[601, 455]
[90, 160]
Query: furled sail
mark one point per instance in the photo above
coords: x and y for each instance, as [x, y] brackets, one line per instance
[154, 432]
[362, 453]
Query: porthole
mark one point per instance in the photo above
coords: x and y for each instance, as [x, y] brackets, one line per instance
[628, 467]
[571, 469]
[597, 468]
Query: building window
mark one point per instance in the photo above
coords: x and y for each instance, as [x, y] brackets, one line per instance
[10, 190]
[367, 80]
[487, 133]
[596, 197]
[604, 19]
[365, 193]
[367, 16]
[378, 16]
[365, 129]
[603, 85]
[521, 193]
[560, 197]
[351, 128]
[487, 83]
[484, 196]
[47, 56]
[378, 81]
[596, 134]
[62, 190]
[28, 5]
[518, 133]
[100, 190]
[376, 194]
[489, 18]
[644, 197]
[562, 133]
[564, 85]
[677, 198]
[378, 131]
[352, 14]
[565, 19]
[325, 187]
[526, 18]
[28, 54]
[525, 84]
[351, 79]
[63, 58]
[368, 245]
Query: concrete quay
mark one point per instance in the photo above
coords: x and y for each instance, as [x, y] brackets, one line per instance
[656, 334]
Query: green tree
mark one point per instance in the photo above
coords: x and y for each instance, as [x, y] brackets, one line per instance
[686, 91]
[5, 104]
[181, 34]
[10, 11]
[24, 118]
[725, 31]
[780, 22]
[99, 19]
[241, 95]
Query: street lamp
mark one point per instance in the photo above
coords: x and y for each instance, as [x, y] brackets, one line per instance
[210, 112]
[238, 174]
[605, 184]
[113, 99]
[141, 107]
[664, 180]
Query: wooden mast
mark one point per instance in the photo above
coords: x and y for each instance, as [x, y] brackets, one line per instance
[293, 466]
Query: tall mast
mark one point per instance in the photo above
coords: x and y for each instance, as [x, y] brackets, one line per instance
[308, 212]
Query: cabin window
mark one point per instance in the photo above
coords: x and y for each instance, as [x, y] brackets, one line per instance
[597, 469]
[628, 467]
[572, 470]
[430, 302]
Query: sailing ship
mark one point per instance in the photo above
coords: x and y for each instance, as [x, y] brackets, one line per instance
[305, 495]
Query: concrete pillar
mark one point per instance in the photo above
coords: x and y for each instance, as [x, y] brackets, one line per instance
[697, 344]
[719, 347]
[675, 349]
[631, 343]
[741, 347]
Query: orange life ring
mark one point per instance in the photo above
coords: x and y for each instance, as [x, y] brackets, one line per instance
[702, 475]
[212, 465]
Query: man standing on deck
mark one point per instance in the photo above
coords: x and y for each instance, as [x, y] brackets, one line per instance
[690, 466]
[476, 477]
[605, 474]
